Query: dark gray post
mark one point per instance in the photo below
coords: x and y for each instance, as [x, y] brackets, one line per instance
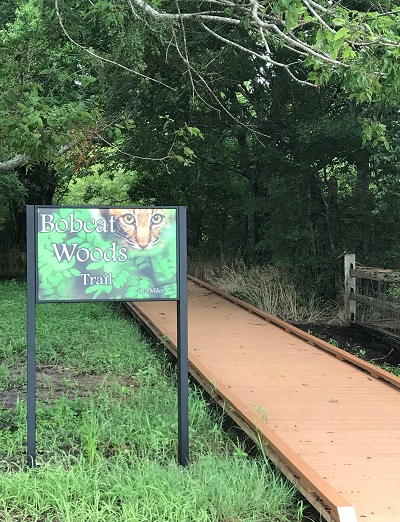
[31, 335]
[183, 370]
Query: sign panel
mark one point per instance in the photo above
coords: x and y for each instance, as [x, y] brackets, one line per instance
[86, 254]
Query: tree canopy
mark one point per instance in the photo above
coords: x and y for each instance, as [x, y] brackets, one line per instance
[276, 123]
[55, 46]
[327, 38]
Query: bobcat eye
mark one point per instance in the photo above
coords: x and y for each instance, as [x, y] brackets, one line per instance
[157, 219]
[129, 219]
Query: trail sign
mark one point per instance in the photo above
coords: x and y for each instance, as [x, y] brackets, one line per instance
[77, 254]
[86, 254]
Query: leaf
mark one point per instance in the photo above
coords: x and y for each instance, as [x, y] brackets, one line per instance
[347, 52]
[86, 80]
[194, 131]
[320, 36]
[336, 48]
[342, 33]
[189, 152]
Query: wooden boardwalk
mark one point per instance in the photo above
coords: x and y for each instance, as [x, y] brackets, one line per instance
[329, 421]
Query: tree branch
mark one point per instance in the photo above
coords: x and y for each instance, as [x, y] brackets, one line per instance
[22, 159]
[264, 58]
[311, 6]
[264, 24]
[197, 17]
[102, 58]
[13, 163]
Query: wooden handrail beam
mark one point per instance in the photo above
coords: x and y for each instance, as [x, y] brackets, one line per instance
[376, 303]
[376, 274]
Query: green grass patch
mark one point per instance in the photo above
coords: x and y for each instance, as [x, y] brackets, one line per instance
[107, 430]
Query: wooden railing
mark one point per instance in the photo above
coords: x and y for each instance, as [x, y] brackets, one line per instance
[380, 311]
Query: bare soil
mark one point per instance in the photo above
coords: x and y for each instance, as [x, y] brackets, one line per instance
[355, 340]
[54, 382]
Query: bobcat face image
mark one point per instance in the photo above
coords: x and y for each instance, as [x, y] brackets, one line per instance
[139, 228]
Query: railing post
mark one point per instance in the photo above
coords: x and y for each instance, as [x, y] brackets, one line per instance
[349, 288]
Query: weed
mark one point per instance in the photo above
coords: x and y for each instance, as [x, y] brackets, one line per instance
[239, 450]
[112, 454]
[90, 435]
[67, 382]
[17, 381]
[267, 288]
[165, 340]
[359, 352]
[4, 377]
[262, 412]
[391, 368]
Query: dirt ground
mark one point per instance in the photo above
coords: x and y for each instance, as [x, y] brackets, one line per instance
[53, 382]
[354, 340]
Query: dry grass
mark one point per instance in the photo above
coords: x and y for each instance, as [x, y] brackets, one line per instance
[267, 288]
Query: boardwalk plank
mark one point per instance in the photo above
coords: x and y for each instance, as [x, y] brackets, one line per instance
[337, 423]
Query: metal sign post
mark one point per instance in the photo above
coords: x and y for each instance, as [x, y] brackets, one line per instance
[31, 336]
[182, 321]
[81, 254]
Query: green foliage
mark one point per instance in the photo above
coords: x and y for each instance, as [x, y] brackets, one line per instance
[12, 195]
[42, 106]
[99, 185]
[39, 125]
[109, 453]
[253, 154]
[364, 41]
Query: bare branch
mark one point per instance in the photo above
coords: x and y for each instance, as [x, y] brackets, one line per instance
[185, 58]
[13, 163]
[310, 6]
[223, 107]
[318, 7]
[259, 18]
[24, 159]
[201, 16]
[269, 23]
[114, 147]
[294, 42]
[263, 57]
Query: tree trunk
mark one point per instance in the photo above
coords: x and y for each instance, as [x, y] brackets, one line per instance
[40, 181]
[363, 179]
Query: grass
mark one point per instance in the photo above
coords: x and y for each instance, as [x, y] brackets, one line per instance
[107, 430]
[361, 353]
[267, 288]
[391, 368]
